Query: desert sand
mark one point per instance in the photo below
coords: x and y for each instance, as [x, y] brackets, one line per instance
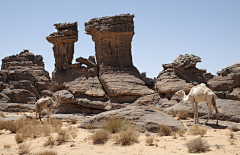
[83, 145]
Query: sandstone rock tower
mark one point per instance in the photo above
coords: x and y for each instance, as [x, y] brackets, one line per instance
[112, 37]
[63, 41]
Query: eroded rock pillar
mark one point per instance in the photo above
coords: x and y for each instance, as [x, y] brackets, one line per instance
[63, 41]
[112, 36]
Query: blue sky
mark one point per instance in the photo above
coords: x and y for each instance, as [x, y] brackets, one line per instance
[164, 29]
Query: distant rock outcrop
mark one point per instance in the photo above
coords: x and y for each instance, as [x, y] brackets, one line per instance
[113, 36]
[180, 74]
[227, 84]
[23, 78]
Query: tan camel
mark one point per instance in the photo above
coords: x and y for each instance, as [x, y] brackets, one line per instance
[46, 102]
[200, 93]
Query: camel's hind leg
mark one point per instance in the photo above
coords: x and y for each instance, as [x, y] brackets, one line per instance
[40, 112]
[209, 111]
[196, 110]
[48, 113]
[215, 107]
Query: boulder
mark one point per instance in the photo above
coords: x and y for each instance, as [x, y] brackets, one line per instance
[66, 96]
[4, 98]
[229, 110]
[144, 118]
[91, 104]
[16, 107]
[20, 96]
[226, 84]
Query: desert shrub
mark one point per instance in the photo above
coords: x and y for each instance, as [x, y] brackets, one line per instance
[231, 135]
[181, 132]
[24, 148]
[115, 125]
[100, 136]
[47, 152]
[74, 121]
[127, 137]
[234, 128]
[149, 141]
[19, 138]
[172, 112]
[231, 141]
[197, 145]
[72, 131]
[147, 134]
[174, 135]
[2, 114]
[30, 111]
[164, 130]
[182, 114]
[197, 130]
[63, 135]
[6, 146]
[55, 122]
[50, 141]
[89, 126]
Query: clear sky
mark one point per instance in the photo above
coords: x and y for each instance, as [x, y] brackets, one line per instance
[164, 29]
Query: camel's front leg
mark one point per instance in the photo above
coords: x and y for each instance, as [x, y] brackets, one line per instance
[196, 106]
[194, 111]
[40, 112]
[48, 113]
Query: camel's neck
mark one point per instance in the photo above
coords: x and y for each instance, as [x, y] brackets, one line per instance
[185, 97]
[56, 103]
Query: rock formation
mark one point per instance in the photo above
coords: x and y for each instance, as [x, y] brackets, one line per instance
[63, 41]
[180, 74]
[120, 79]
[23, 78]
[226, 84]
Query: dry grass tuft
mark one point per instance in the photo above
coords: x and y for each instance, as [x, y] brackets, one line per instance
[127, 137]
[231, 135]
[63, 135]
[174, 135]
[164, 130]
[147, 134]
[231, 141]
[172, 112]
[30, 111]
[115, 125]
[181, 132]
[24, 148]
[149, 140]
[197, 145]
[197, 130]
[74, 121]
[72, 131]
[19, 138]
[6, 146]
[100, 136]
[47, 152]
[234, 128]
[89, 126]
[50, 141]
[182, 114]
[2, 114]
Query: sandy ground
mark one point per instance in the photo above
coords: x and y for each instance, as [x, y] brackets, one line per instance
[82, 144]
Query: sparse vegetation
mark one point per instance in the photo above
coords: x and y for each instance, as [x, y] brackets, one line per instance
[74, 121]
[164, 130]
[231, 135]
[30, 111]
[100, 136]
[147, 134]
[127, 137]
[217, 146]
[89, 126]
[149, 140]
[63, 135]
[47, 152]
[50, 141]
[181, 132]
[197, 130]
[174, 135]
[172, 112]
[234, 128]
[182, 114]
[72, 131]
[6, 146]
[19, 138]
[115, 125]
[24, 148]
[231, 141]
[197, 145]
[2, 114]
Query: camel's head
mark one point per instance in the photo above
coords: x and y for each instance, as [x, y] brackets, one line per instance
[180, 94]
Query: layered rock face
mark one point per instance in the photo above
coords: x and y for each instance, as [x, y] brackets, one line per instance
[24, 78]
[227, 84]
[180, 74]
[63, 41]
[120, 79]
